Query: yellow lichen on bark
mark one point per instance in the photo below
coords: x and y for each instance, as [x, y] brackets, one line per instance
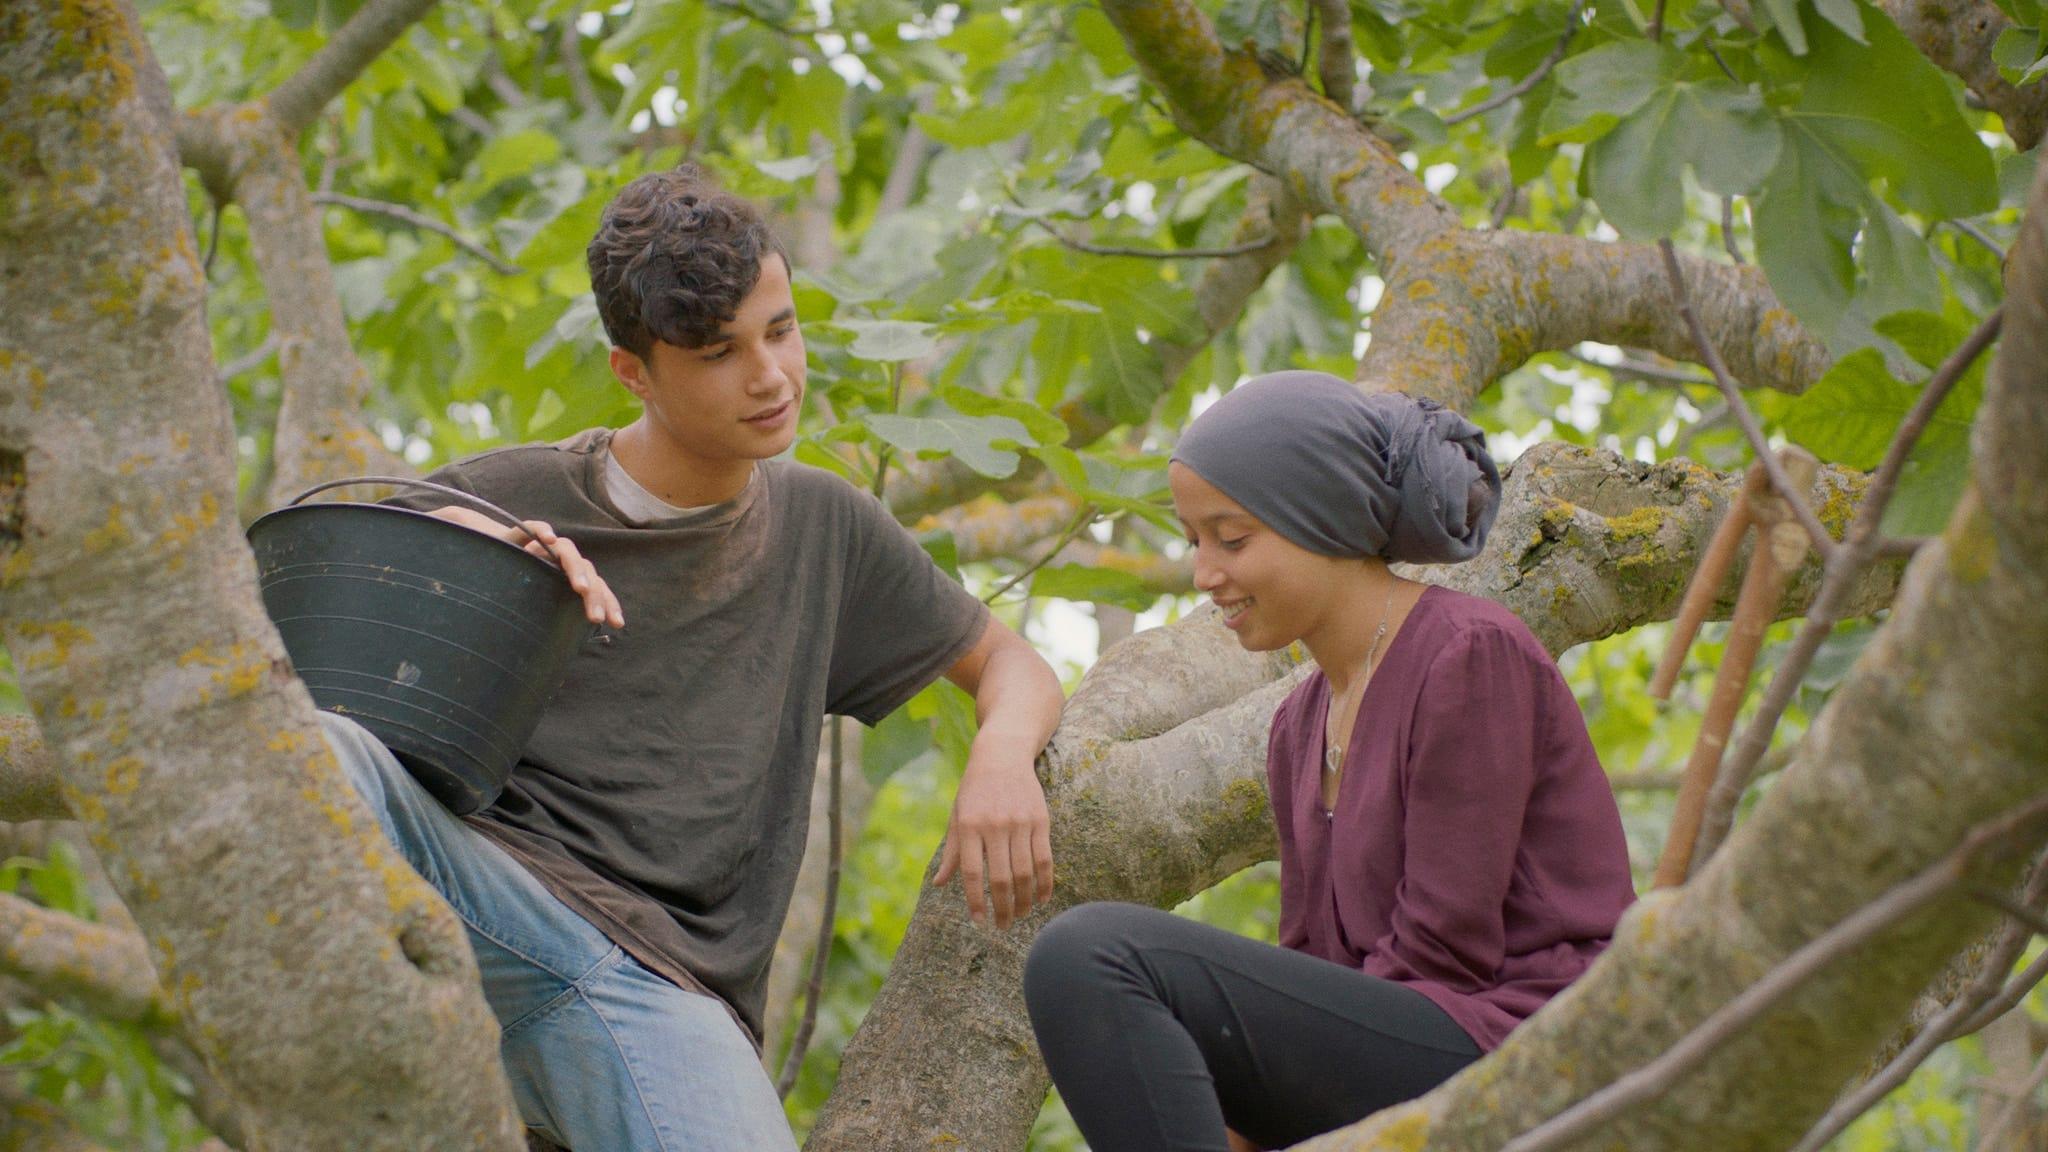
[50, 643]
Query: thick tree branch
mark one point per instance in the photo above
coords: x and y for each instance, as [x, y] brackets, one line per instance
[1461, 308]
[1336, 63]
[1732, 1019]
[320, 430]
[1468, 307]
[63, 956]
[1958, 35]
[375, 26]
[1223, 98]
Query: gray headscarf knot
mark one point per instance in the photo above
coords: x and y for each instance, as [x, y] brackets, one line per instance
[1343, 473]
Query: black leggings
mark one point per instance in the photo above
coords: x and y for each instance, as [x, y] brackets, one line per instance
[1159, 1031]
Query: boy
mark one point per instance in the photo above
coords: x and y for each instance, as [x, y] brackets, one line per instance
[624, 895]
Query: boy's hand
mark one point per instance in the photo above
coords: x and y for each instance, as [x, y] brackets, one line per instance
[1000, 834]
[599, 605]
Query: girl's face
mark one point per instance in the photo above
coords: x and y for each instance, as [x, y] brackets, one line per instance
[1270, 590]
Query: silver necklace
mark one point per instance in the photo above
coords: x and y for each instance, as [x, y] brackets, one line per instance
[1333, 752]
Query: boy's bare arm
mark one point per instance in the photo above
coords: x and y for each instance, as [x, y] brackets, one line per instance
[1000, 834]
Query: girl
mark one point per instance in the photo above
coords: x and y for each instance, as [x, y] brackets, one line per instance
[1450, 852]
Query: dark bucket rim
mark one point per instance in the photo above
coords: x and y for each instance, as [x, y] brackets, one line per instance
[346, 506]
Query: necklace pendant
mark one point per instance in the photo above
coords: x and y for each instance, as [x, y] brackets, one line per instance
[1333, 759]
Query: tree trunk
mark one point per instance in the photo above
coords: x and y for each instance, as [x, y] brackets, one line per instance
[332, 990]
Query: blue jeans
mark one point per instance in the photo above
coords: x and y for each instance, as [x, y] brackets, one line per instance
[603, 1055]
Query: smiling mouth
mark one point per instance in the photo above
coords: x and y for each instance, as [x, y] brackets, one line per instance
[771, 414]
[1233, 610]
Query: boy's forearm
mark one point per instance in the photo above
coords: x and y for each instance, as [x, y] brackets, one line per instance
[1018, 701]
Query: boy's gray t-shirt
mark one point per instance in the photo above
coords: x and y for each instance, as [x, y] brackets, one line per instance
[665, 796]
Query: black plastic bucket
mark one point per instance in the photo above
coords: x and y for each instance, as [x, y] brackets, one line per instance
[444, 642]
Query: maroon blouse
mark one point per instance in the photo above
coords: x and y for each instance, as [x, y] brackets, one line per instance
[1475, 853]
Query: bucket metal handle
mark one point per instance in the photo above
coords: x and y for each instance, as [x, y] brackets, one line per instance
[456, 493]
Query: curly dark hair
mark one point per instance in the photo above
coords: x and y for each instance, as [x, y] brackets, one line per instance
[672, 259]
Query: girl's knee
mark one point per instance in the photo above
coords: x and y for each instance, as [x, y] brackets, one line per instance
[1075, 943]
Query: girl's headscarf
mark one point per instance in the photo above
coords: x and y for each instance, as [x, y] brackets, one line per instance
[1343, 473]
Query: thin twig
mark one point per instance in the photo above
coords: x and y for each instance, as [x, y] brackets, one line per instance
[497, 79]
[2014, 991]
[1854, 931]
[568, 45]
[1522, 86]
[1645, 370]
[1938, 386]
[1708, 42]
[212, 239]
[2034, 920]
[1988, 986]
[1505, 207]
[1728, 230]
[1257, 245]
[1083, 517]
[248, 360]
[404, 215]
[1823, 544]
[793, 1062]
[883, 455]
[1980, 236]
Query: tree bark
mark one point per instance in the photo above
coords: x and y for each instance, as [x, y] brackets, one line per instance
[61, 955]
[1958, 35]
[331, 989]
[28, 777]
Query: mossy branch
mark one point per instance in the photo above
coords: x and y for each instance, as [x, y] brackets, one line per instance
[29, 786]
[375, 27]
[64, 956]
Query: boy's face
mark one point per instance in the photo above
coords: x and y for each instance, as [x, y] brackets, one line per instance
[735, 399]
